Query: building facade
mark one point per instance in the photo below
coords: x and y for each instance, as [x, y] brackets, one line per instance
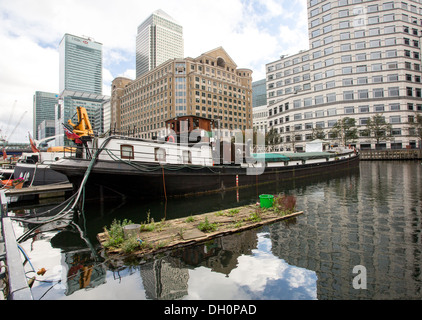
[260, 118]
[159, 38]
[259, 93]
[210, 86]
[46, 129]
[364, 60]
[43, 109]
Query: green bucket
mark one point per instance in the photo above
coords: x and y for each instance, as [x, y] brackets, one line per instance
[266, 200]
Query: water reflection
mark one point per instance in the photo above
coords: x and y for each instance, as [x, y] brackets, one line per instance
[369, 217]
[238, 266]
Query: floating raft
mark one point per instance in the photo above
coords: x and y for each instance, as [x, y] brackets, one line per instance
[183, 232]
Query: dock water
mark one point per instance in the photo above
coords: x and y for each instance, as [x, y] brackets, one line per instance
[13, 279]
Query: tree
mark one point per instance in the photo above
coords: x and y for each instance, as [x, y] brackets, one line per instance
[415, 128]
[378, 128]
[272, 137]
[318, 133]
[345, 130]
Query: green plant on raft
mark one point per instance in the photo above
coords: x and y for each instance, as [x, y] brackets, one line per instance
[206, 226]
[115, 233]
[190, 219]
[255, 216]
[130, 245]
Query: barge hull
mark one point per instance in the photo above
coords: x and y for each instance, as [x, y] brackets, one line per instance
[155, 180]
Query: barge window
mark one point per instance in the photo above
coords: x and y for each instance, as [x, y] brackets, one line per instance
[126, 152]
[160, 154]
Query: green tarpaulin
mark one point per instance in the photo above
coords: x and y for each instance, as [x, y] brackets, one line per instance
[287, 156]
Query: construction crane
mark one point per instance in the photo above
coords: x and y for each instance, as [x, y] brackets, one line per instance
[17, 124]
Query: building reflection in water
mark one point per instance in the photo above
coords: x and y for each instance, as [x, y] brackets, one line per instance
[372, 218]
[245, 261]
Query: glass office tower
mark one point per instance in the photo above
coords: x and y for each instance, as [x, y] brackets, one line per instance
[43, 109]
[159, 38]
[80, 64]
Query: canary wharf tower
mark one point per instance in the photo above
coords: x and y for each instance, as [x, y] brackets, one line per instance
[80, 64]
[159, 38]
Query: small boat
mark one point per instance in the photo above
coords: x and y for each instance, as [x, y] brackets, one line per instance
[192, 158]
[34, 168]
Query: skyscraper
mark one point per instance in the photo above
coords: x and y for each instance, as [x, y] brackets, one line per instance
[80, 65]
[159, 38]
[80, 82]
[364, 60]
[43, 109]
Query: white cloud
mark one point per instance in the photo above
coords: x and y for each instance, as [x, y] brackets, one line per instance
[252, 32]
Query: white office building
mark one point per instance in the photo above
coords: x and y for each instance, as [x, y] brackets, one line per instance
[364, 60]
[159, 38]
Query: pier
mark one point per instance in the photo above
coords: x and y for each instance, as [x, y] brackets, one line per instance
[10, 258]
[45, 191]
[399, 154]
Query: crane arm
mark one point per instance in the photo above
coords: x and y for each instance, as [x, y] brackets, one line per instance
[83, 127]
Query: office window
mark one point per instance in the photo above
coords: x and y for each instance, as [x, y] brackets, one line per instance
[362, 80]
[349, 110]
[373, 20]
[326, 18]
[360, 69]
[348, 95]
[363, 109]
[363, 121]
[392, 77]
[347, 70]
[389, 17]
[389, 29]
[330, 84]
[376, 55]
[344, 24]
[379, 108]
[376, 67]
[359, 33]
[347, 82]
[331, 97]
[345, 47]
[332, 112]
[374, 43]
[377, 79]
[393, 91]
[363, 94]
[361, 57]
[360, 45]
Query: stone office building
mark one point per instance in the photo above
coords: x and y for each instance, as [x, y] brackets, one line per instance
[364, 59]
[210, 86]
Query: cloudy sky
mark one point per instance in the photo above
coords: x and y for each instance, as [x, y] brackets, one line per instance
[253, 32]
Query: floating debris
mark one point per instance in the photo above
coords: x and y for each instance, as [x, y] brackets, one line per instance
[137, 240]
